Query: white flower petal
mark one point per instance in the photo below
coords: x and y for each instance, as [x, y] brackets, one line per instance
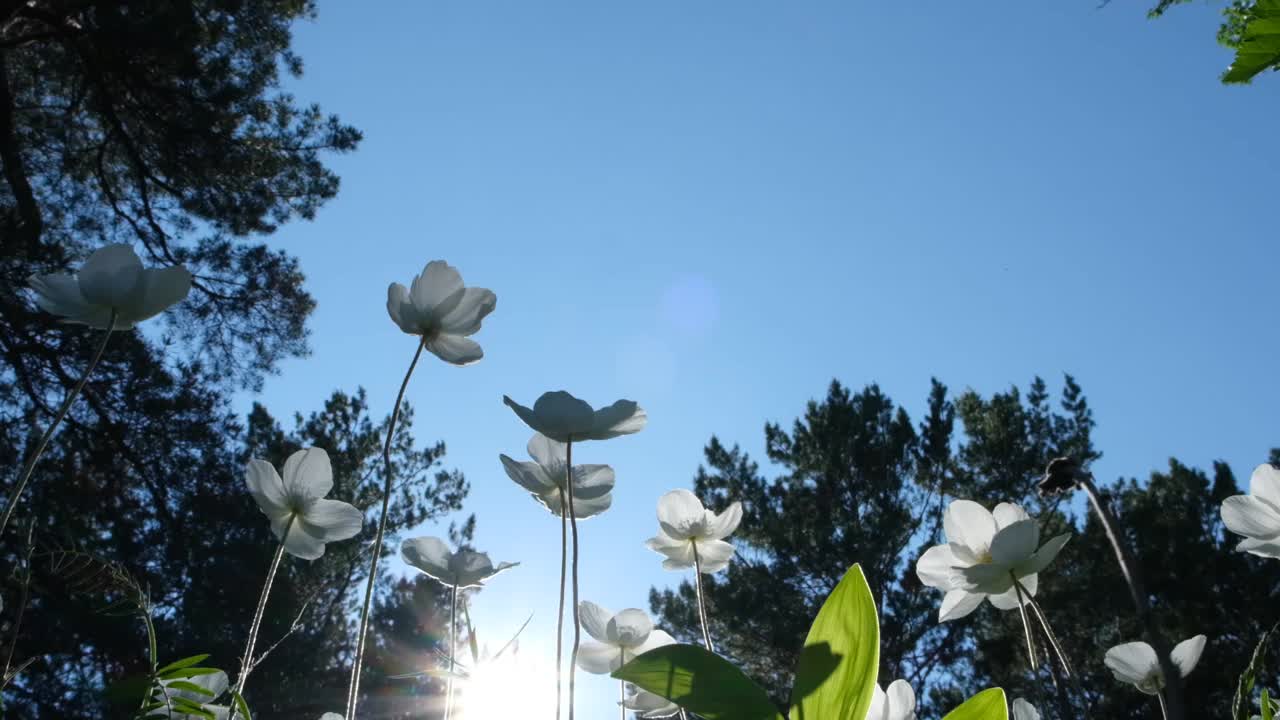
[987, 578]
[1042, 557]
[594, 619]
[968, 523]
[439, 280]
[902, 700]
[1023, 710]
[308, 474]
[1186, 654]
[656, 639]
[465, 317]
[548, 453]
[599, 658]
[722, 526]
[591, 481]
[958, 603]
[60, 295]
[160, 289]
[1250, 516]
[681, 515]
[300, 543]
[266, 487]
[1008, 600]
[937, 567]
[879, 709]
[331, 716]
[1264, 484]
[1007, 514]
[584, 508]
[110, 276]
[455, 349]
[621, 418]
[430, 555]
[528, 475]
[332, 520]
[401, 310]
[1261, 548]
[714, 555]
[628, 628]
[1133, 663]
[1015, 543]
[563, 416]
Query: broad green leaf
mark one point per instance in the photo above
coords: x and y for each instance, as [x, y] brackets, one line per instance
[190, 687]
[1242, 704]
[1267, 712]
[986, 705]
[188, 673]
[241, 707]
[184, 662]
[836, 676]
[1259, 47]
[701, 682]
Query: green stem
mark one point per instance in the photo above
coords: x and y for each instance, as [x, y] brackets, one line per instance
[702, 602]
[153, 656]
[622, 698]
[1026, 623]
[353, 688]
[1164, 708]
[564, 552]
[57, 420]
[246, 662]
[453, 615]
[573, 528]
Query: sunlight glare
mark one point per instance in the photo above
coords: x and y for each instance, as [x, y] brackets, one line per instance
[509, 687]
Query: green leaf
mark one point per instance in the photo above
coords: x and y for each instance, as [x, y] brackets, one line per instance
[836, 676]
[129, 689]
[1242, 704]
[190, 687]
[188, 673]
[184, 662]
[241, 707]
[986, 705]
[701, 682]
[1268, 713]
[1259, 47]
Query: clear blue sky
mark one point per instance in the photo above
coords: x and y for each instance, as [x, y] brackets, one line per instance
[714, 208]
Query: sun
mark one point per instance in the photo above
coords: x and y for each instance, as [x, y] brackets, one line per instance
[508, 687]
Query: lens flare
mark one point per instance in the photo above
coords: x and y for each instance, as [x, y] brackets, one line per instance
[508, 687]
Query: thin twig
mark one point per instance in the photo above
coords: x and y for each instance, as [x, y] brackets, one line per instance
[295, 626]
[22, 605]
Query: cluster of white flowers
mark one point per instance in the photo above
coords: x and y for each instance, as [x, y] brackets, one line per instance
[993, 555]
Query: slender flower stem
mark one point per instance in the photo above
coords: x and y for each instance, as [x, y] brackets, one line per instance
[353, 688]
[622, 698]
[573, 529]
[702, 602]
[1048, 633]
[22, 603]
[1164, 708]
[1026, 624]
[1132, 576]
[154, 658]
[564, 552]
[246, 662]
[57, 420]
[453, 614]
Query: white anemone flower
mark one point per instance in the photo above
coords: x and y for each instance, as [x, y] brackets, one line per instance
[1136, 662]
[563, 417]
[621, 637]
[331, 716]
[438, 307]
[1257, 515]
[983, 554]
[298, 503]
[1022, 710]
[111, 279]
[463, 569]
[648, 705]
[899, 703]
[214, 684]
[544, 478]
[686, 527]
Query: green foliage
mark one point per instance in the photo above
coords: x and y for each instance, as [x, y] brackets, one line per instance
[701, 682]
[1243, 701]
[1258, 45]
[838, 664]
[986, 705]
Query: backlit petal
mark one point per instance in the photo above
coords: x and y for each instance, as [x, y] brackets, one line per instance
[308, 474]
[985, 578]
[1023, 710]
[958, 603]
[1045, 555]
[1015, 543]
[527, 475]
[591, 481]
[332, 520]
[1262, 548]
[455, 349]
[548, 453]
[1186, 654]
[902, 700]
[160, 289]
[110, 276]
[438, 281]
[628, 628]
[1250, 516]
[401, 309]
[266, 487]
[1264, 484]
[656, 639]
[879, 709]
[722, 526]
[302, 544]
[936, 568]
[465, 317]
[1007, 514]
[1008, 600]
[595, 620]
[430, 555]
[968, 523]
[590, 507]
[681, 514]
[562, 416]
[599, 658]
[621, 418]
[714, 555]
[60, 295]
[1133, 662]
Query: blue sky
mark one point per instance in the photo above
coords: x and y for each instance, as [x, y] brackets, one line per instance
[714, 208]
